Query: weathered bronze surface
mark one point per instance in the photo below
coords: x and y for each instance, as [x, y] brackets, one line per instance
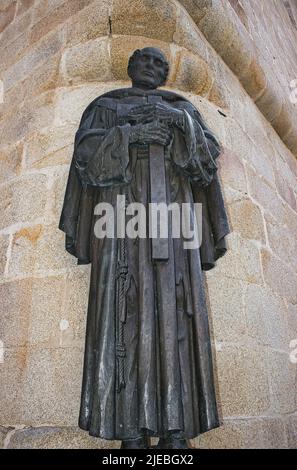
[148, 364]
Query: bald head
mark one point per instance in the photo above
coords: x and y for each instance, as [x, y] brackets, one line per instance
[153, 51]
[148, 68]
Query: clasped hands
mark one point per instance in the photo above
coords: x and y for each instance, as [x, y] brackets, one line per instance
[152, 123]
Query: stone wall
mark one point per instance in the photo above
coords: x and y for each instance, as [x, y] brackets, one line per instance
[56, 56]
[257, 41]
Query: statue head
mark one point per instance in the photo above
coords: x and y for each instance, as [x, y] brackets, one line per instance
[148, 68]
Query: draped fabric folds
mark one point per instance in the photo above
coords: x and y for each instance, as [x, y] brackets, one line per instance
[159, 344]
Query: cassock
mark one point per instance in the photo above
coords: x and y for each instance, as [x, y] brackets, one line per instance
[148, 363]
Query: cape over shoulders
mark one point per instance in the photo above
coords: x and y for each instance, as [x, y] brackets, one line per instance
[111, 99]
[133, 91]
[77, 198]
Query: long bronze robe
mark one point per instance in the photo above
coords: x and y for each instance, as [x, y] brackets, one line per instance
[163, 353]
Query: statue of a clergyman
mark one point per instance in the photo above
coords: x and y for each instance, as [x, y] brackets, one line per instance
[148, 365]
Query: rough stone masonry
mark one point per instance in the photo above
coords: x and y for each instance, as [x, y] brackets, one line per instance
[236, 61]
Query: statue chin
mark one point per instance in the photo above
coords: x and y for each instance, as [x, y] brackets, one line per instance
[144, 86]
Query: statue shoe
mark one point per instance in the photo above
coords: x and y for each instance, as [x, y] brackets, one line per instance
[172, 443]
[138, 443]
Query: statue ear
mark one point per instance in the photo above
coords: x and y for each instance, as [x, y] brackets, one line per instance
[163, 80]
[133, 56]
[131, 61]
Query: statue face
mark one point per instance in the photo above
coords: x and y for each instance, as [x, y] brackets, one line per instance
[149, 69]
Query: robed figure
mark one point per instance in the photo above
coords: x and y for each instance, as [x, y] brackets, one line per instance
[148, 363]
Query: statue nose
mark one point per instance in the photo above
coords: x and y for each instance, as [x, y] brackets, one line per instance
[149, 68]
[150, 63]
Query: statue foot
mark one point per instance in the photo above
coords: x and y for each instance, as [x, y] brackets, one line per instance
[172, 443]
[139, 443]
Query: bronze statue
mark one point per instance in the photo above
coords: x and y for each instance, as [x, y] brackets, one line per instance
[148, 364]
